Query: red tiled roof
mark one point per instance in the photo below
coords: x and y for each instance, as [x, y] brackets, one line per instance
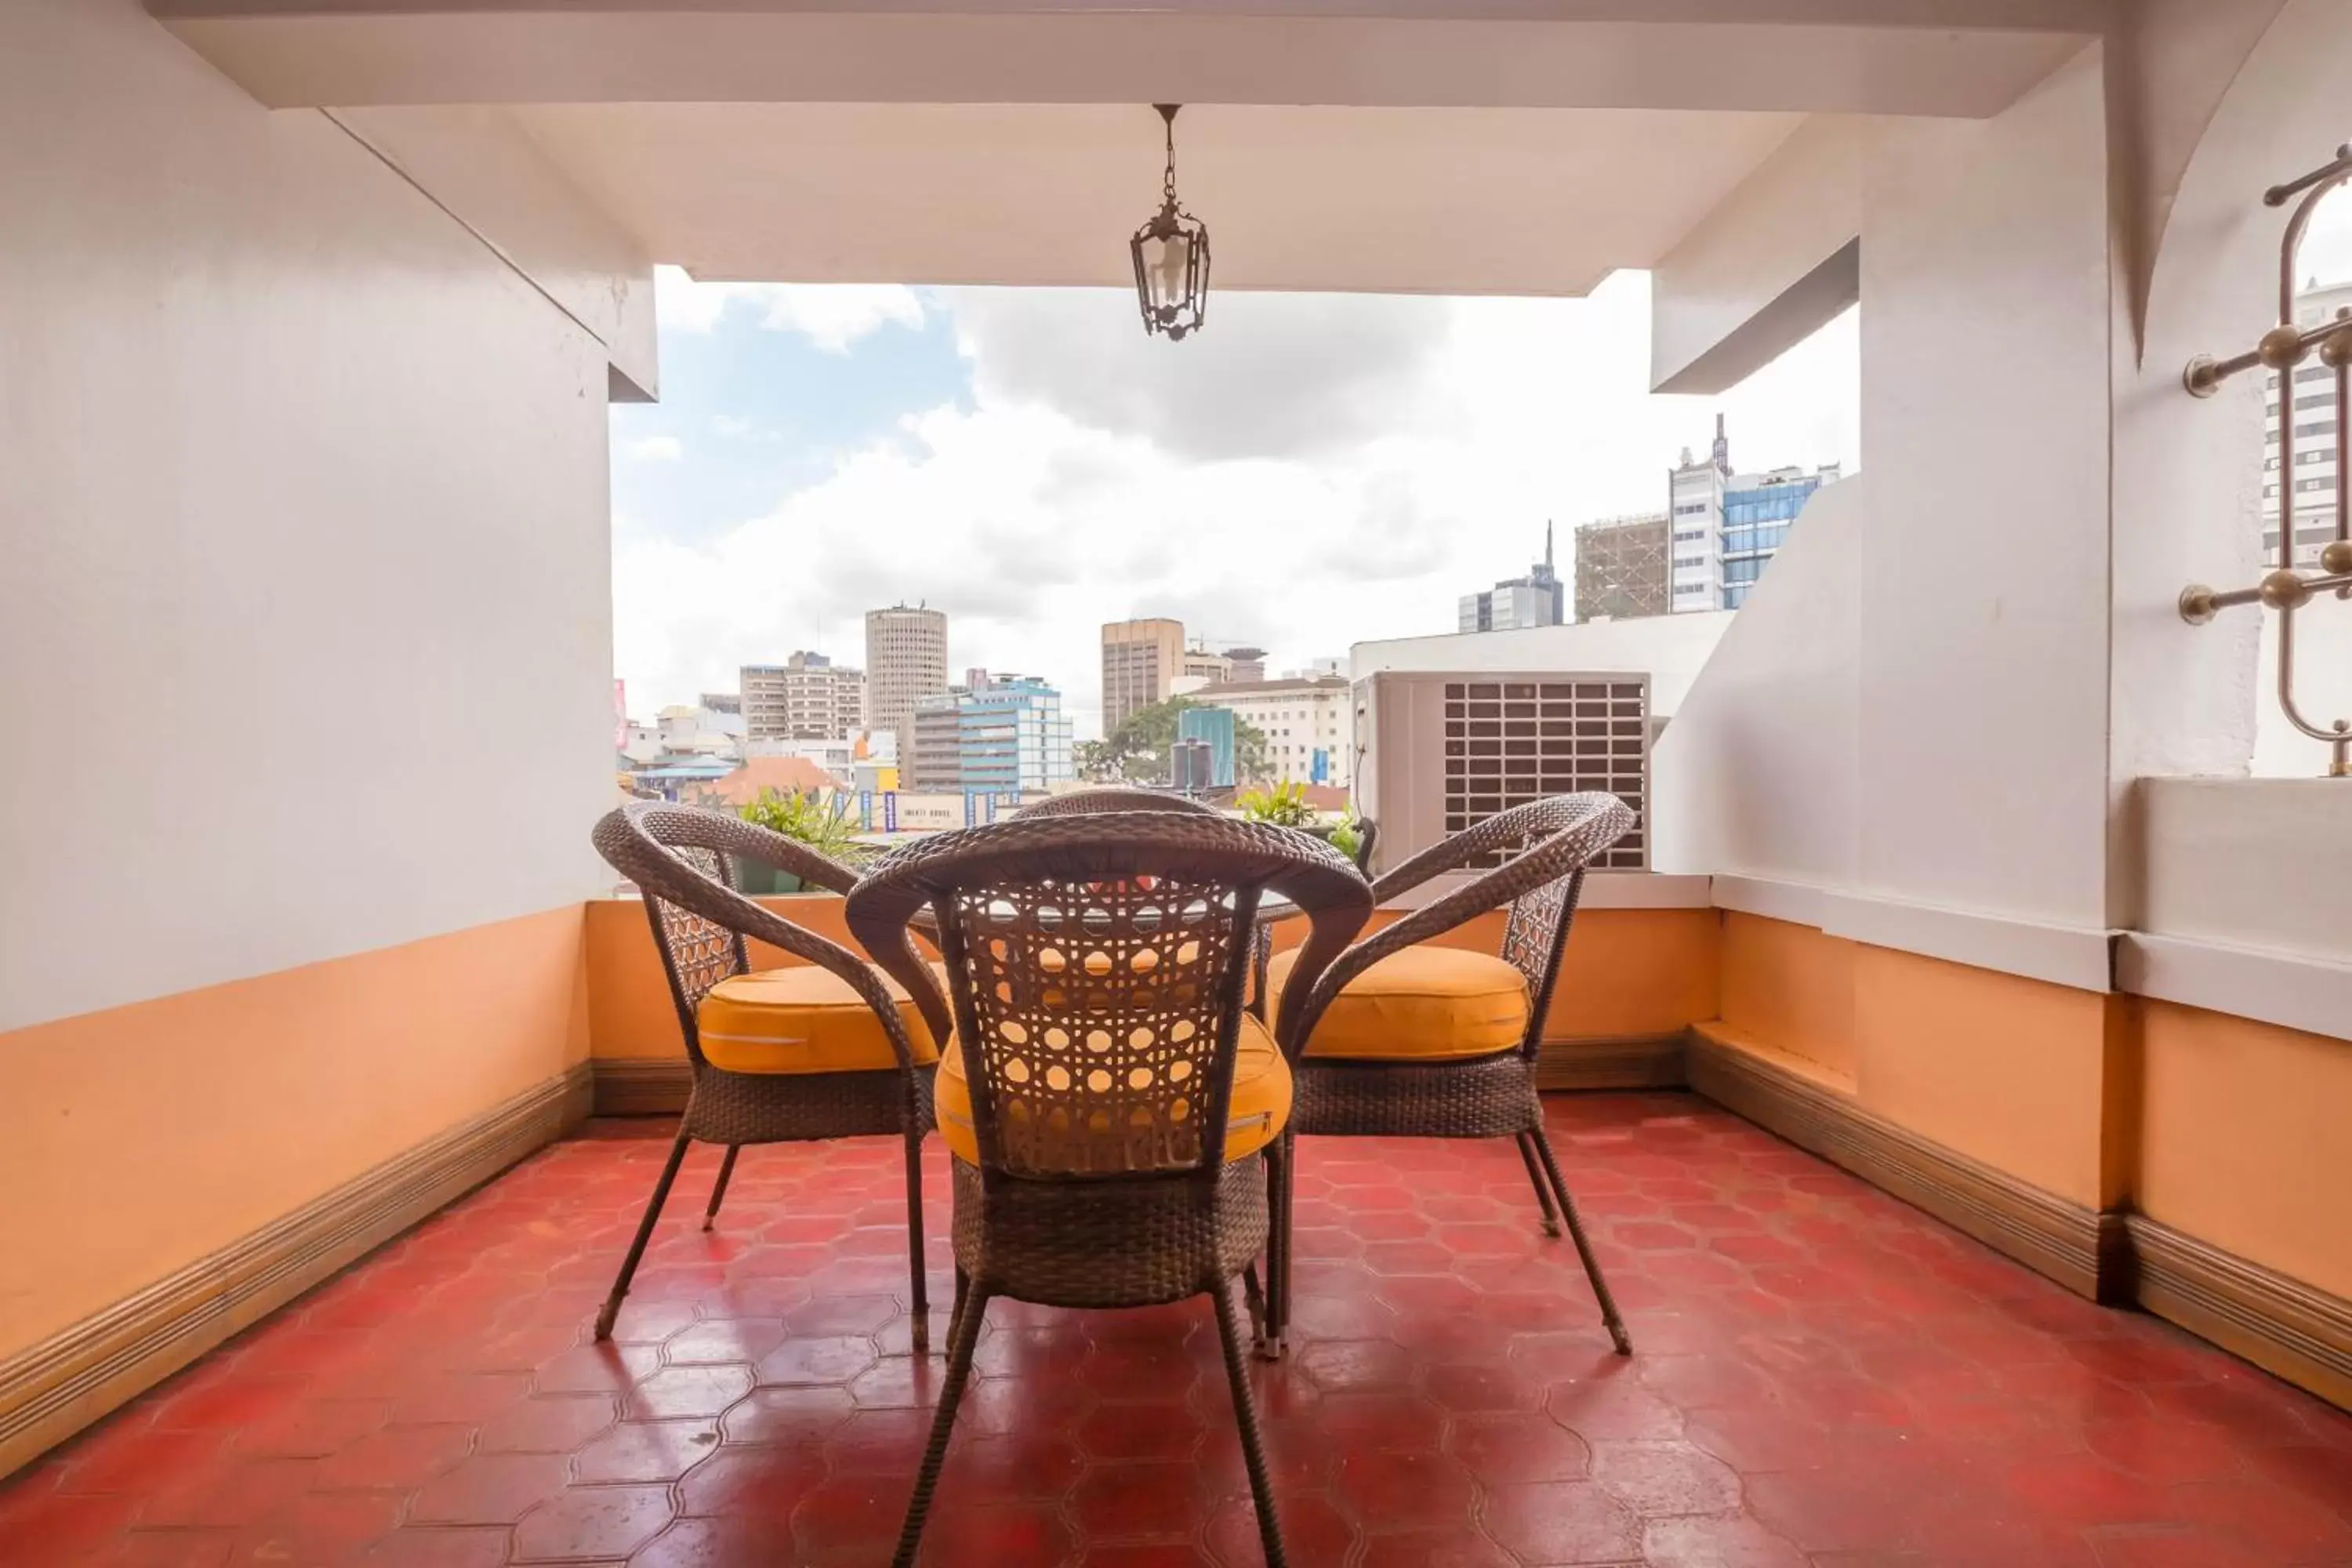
[784, 775]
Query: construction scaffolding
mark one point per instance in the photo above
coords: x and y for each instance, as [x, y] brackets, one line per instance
[1622, 568]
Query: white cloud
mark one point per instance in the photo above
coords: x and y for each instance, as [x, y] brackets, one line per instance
[1040, 510]
[655, 450]
[831, 315]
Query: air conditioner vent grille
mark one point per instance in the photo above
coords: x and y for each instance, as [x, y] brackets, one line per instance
[1509, 742]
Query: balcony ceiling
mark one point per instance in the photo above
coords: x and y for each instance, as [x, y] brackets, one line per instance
[1456, 201]
[1498, 146]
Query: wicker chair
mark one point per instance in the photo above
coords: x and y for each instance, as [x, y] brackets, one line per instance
[1440, 1042]
[1096, 965]
[832, 1051]
[1112, 798]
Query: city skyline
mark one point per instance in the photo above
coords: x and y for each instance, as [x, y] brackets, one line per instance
[1320, 470]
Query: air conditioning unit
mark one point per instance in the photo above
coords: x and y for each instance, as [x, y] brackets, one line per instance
[1445, 750]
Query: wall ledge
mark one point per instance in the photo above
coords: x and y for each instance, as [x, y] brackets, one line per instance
[2077, 956]
[2293, 991]
[53, 1389]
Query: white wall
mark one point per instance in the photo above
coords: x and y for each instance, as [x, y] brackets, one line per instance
[1748, 282]
[482, 166]
[2198, 699]
[1984, 714]
[2039, 490]
[278, 437]
[1671, 649]
[1758, 774]
[2254, 864]
[1911, 712]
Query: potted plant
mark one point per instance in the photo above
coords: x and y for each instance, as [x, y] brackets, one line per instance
[824, 825]
[1285, 805]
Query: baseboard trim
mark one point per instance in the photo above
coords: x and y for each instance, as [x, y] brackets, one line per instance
[2080, 1247]
[52, 1390]
[1633, 1061]
[2281, 1325]
[641, 1086]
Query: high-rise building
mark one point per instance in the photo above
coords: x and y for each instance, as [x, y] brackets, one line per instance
[1621, 568]
[997, 734]
[1726, 526]
[806, 698]
[2317, 440]
[1538, 599]
[906, 661]
[1141, 661]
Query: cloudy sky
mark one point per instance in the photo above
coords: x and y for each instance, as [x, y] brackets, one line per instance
[1309, 473]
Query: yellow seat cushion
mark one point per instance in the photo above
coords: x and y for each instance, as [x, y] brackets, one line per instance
[1424, 1004]
[1258, 1110]
[805, 1018]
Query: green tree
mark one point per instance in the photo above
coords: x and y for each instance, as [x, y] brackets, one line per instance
[1137, 750]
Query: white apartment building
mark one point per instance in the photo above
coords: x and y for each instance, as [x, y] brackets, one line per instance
[806, 698]
[680, 729]
[2317, 438]
[1308, 724]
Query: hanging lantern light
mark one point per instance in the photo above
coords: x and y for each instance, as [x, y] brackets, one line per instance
[1171, 256]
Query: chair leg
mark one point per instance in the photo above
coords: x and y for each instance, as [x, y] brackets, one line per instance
[1281, 1159]
[718, 1188]
[612, 1308]
[1254, 1302]
[914, 1263]
[1542, 1184]
[959, 1349]
[1269, 1525]
[956, 1308]
[1617, 1335]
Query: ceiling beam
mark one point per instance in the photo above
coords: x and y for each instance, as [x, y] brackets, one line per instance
[2028, 15]
[1951, 57]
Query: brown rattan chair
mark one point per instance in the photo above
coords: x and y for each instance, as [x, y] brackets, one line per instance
[1113, 798]
[1471, 1071]
[683, 859]
[1097, 962]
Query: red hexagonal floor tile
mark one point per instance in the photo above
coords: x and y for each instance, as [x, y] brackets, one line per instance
[1818, 1370]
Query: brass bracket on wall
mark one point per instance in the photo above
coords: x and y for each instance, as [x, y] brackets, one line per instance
[2279, 349]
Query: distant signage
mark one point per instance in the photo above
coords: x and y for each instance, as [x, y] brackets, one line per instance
[865, 811]
[1319, 770]
[889, 811]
